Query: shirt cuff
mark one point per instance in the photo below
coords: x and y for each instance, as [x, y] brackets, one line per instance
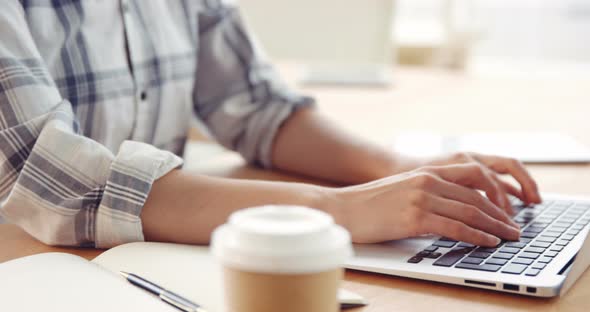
[282, 112]
[134, 170]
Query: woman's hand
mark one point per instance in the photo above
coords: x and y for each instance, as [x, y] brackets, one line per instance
[491, 167]
[436, 199]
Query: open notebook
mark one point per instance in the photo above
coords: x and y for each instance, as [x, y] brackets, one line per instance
[64, 282]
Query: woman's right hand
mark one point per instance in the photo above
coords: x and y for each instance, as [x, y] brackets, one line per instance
[431, 200]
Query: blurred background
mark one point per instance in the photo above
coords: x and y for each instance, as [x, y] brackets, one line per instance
[342, 39]
[422, 75]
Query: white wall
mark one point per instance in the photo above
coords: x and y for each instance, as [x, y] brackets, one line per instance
[322, 30]
[547, 30]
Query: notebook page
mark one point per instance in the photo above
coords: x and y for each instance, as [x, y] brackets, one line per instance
[67, 283]
[189, 271]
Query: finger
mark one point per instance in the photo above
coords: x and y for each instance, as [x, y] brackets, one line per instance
[473, 175]
[500, 196]
[473, 217]
[471, 197]
[457, 177]
[506, 204]
[497, 194]
[516, 169]
[457, 230]
[512, 190]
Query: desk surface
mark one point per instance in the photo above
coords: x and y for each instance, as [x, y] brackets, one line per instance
[435, 100]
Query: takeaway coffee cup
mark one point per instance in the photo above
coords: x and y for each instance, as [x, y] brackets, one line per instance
[281, 258]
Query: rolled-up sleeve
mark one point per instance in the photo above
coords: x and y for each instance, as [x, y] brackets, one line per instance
[59, 186]
[238, 94]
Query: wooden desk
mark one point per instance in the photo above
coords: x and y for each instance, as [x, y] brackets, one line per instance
[444, 102]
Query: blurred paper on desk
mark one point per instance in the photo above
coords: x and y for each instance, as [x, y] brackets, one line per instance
[528, 147]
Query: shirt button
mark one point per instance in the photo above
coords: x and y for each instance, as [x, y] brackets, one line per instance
[143, 95]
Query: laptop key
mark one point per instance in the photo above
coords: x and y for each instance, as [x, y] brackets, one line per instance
[568, 237]
[535, 250]
[562, 242]
[540, 244]
[545, 259]
[556, 248]
[534, 229]
[552, 234]
[551, 254]
[514, 268]
[510, 250]
[515, 244]
[463, 250]
[415, 259]
[468, 245]
[496, 261]
[433, 255]
[532, 272]
[445, 244]
[423, 254]
[526, 234]
[539, 266]
[472, 260]
[524, 261]
[569, 219]
[431, 248]
[529, 255]
[449, 259]
[486, 249]
[502, 255]
[479, 254]
[546, 239]
[540, 224]
[482, 267]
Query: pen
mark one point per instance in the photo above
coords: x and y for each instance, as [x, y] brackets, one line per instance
[165, 295]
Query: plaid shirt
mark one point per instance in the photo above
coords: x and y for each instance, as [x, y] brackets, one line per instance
[96, 98]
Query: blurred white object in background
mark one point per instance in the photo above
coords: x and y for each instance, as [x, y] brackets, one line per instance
[435, 32]
[533, 38]
[340, 41]
[529, 147]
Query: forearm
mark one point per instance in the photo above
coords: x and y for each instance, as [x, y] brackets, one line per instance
[185, 208]
[310, 144]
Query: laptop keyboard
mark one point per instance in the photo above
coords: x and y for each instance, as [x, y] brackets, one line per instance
[546, 229]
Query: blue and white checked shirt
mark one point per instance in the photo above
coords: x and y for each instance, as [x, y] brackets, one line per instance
[96, 97]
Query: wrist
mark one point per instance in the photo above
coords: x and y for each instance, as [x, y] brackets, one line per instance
[330, 200]
[384, 164]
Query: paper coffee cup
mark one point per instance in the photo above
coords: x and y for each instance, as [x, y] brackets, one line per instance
[281, 258]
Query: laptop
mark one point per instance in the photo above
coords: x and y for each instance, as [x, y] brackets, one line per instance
[550, 256]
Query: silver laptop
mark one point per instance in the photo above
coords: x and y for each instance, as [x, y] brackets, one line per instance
[552, 253]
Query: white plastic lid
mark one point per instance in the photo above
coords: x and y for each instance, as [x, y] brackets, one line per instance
[281, 239]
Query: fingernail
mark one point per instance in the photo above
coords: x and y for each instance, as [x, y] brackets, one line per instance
[516, 232]
[494, 240]
[515, 225]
